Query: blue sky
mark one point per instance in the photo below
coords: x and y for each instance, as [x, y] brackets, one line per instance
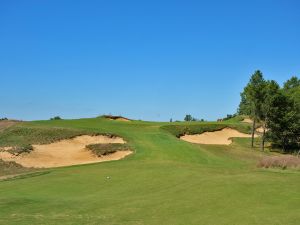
[150, 60]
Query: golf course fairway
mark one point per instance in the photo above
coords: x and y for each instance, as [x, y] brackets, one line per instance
[164, 181]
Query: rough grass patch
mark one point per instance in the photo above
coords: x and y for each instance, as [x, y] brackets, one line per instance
[18, 150]
[283, 162]
[23, 136]
[7, 168]
[180, 130]
[105, 149]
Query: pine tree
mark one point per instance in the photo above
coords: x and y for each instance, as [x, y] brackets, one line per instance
[253, 97]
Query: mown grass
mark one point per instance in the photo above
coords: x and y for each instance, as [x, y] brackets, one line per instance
[166, 181]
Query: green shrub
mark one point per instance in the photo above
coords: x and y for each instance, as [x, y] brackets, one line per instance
[55, 118]
[105, 149]
[17, 150]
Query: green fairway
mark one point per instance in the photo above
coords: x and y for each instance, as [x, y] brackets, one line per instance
[166, 181]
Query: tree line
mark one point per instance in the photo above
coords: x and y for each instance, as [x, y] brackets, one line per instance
[276, 108]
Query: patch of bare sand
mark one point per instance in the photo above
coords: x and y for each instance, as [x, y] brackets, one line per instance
[66, 153]
[261, 130]
[117, 118]
[247, 120]
[221, 137]
[121, 119]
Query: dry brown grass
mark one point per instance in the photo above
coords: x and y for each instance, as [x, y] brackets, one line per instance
[283, 162]
[7, 123]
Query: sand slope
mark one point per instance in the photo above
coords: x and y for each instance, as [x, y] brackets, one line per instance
[121, 119]
[221, 137]
[117, 118]
[66, 153]
[261, 130]
[247, 120]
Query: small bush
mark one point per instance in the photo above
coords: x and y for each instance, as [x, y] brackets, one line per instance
[229, 116]
[188, 118]
[55, 118]
[3, 119]
[105, 149]
[283, 162]
[18, 150]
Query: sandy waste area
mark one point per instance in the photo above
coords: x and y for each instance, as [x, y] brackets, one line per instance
[120, 119]
[221, 137]
[65, 152]
[247, 120]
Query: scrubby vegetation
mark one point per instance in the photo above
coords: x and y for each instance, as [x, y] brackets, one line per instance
[179, 130]
[18, 150]
[276, 108]
[283, 162]
[229, 116]
[113, 117]
[105, 149]
[55, 118]
[10, 168]
[20, 136]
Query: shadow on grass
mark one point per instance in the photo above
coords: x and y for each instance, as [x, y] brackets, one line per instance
[24, 176]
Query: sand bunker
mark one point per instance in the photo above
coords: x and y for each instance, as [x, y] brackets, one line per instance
[65, 153]
[117, 118]
[222, 137]
[247, 120]
[261, 130]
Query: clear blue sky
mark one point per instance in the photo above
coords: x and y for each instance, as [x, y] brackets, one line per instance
[149, 60]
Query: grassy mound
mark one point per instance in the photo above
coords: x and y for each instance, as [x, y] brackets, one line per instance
[21, 137]
[10, 168]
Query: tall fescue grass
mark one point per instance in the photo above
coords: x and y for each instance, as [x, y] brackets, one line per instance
[22, 136]
[7, 168]
[106, 149]
[180, 130]
[283, 162]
